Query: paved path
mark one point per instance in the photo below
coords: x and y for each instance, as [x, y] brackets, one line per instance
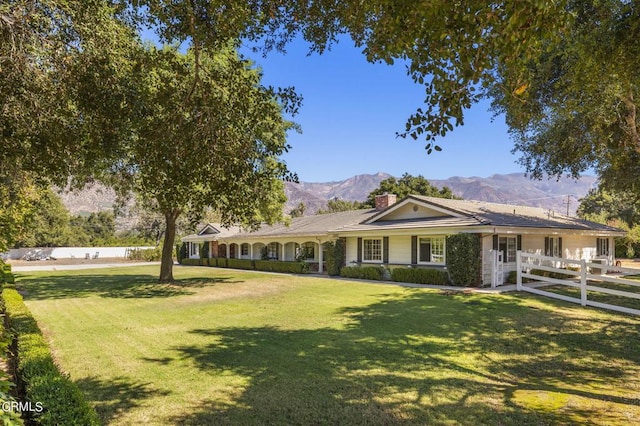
[48, 266]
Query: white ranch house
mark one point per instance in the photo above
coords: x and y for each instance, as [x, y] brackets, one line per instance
[412, 232]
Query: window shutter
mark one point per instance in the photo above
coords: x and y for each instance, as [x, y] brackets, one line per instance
[359, 250]
[607, 246]
[519, 242]
[414, 250]
[546, 246]
[385, 249]
[495, 242]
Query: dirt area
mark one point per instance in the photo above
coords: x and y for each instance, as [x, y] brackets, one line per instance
[76, 261]
[630, 263]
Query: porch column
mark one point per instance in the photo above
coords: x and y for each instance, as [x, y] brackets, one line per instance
[320, 257]
[282, 252]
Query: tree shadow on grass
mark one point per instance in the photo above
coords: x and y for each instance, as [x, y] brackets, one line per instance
[125, 286]
[401, 361]
[112, 399]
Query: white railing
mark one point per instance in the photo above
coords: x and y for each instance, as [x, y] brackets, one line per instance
[582, 277]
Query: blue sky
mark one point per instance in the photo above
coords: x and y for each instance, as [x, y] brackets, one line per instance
[352, 110]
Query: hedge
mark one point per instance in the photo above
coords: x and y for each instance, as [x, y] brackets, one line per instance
[363, 272]
[43, 384]
[420, 276]
[240, 264]
[6, 276]
[281, 266]
[9, 415]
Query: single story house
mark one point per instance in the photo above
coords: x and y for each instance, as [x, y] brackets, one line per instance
[412, 232]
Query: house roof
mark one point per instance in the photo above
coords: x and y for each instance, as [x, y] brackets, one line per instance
[413, 212]
[454, 213]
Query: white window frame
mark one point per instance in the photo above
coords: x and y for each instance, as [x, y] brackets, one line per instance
[244, 249]
[554, 247]
[437, 253]
[510, 243]
[602, 247]
[309, 250]
[372, 250]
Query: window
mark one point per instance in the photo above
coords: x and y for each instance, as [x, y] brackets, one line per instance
[431, 250]
[194, 249]
[272, 251]
[508, 247]
[308, 251]
[372, 250]
[244, 249]
[553, 246]
[602, 247]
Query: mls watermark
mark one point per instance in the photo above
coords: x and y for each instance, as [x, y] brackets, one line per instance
[22, 406]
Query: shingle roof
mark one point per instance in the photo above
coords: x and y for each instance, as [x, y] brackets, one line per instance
[513, 215]
[473, 213]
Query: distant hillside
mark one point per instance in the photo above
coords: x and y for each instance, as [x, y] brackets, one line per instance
[512, 188]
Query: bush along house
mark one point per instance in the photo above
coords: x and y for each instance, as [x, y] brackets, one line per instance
[471, 242]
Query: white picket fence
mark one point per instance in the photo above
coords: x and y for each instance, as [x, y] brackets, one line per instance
[583, 277]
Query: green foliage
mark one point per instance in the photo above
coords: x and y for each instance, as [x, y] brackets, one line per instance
[204, 250]
[615, 208]
[281, 266]
[464, 259]
[336, 205]
[240, 264]
[145, 255]
[406, 185]
[191, 262]
[6, 276]
[420, 276]
[335, 252]
[363, 272]
[298, 211]
[62, 401]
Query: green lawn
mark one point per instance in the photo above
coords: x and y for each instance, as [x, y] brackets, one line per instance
[232, 347]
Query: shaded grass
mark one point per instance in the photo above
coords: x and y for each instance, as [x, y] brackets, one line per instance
[238, 347]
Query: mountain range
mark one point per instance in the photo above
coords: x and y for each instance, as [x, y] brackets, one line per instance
[512, 188]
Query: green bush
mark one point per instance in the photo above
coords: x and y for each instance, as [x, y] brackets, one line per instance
[192, 262]
[463, 259]
[146, 255]
[420, 276]
[240, 264]
[62, 401]
[281, 266]
[213, 261]
[6, 276]
[363, 272]
[335, 256]
[222, 262]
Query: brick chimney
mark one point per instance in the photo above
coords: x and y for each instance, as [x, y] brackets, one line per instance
[385, 200]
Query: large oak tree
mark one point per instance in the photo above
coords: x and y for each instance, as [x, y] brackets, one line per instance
[210, 138]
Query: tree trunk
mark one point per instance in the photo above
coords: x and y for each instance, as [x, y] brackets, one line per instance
[166, 266]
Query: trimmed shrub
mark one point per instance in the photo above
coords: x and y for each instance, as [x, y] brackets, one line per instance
[281, 266]
[363, 272]
[62, 401]
[6, 276]
[463, 259]
[213, 261]
[335, 256]
[222, 262]
[420, 276]
[192, 262]
[240, 264]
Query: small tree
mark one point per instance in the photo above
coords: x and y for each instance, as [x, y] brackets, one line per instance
[407, 185]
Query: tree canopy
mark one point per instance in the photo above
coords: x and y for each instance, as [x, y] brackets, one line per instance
[214, 142]
[407, 185]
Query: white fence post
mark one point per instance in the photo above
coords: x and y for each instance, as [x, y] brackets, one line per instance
[583, 282]
[519, 270]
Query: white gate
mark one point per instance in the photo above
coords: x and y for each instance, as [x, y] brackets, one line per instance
[583, 276]
[497, 268]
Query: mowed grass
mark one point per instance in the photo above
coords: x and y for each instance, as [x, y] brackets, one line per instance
[233, 347]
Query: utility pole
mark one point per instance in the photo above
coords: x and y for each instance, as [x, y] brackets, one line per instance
[568, 203]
